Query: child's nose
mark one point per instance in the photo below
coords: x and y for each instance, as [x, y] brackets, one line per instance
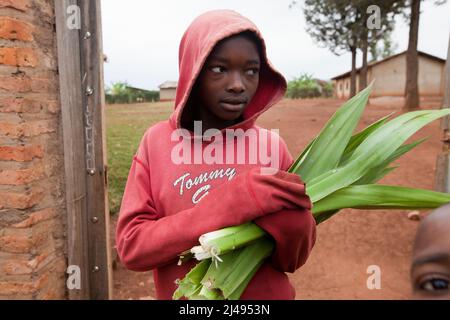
[236, 84]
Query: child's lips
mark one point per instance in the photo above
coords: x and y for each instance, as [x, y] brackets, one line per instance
[233, 106]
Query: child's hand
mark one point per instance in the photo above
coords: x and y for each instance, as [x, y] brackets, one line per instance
[281, 190]
[253, 194]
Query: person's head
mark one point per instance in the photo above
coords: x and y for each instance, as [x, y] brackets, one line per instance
[430, 269]
[228, 80]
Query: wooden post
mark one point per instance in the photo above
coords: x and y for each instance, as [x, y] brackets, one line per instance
[80, 60]
[96, 184]
[443, 161]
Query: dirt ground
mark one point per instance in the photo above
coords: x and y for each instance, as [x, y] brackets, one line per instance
[353, 240]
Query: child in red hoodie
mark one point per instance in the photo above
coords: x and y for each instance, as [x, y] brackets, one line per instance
[186, 180]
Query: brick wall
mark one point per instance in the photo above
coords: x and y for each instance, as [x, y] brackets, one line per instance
[32, 210]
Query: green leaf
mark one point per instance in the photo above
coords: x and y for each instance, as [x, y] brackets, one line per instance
[358, 138]
[323, 216]
[355, 141]
[191, 283]
[377, 173]
[228, 239]
[217, 273]
[232, 276]
[327, 149]
[250, 258]
[301, 158]
[237, 293]
[375, 149]
[375, 197]
[209, 294]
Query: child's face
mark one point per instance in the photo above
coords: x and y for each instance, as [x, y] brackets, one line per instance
[229, 79]
[430, 272]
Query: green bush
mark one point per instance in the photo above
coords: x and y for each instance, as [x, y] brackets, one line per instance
[122, 93]
[132, 97]
[328, 90]
[306, 87]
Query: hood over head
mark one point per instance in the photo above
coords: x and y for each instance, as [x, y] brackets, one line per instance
[198, 42]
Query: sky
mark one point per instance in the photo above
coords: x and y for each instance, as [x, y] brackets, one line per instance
[141, 37]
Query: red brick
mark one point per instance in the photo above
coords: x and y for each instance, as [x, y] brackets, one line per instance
[21, 153]
[20, 57]
[53, 106]
[12, 29]
[50, 294]
[40, 85]
[37, 217]
[26, 129]
[22, 177]
[18, 265]
[21, 5]
[12, 241]
[21, 105]
[18, 105]
[18, 84]
[36, 128]
[16, 244]
[15, 267]
[11, 129]
[11, 288]
[13, 200]
[45, 256]
[60, 265]
[22, 83]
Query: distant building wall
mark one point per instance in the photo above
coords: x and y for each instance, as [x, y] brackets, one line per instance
[390, 78]
[167, 94]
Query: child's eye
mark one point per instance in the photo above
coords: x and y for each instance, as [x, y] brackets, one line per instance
[252, 72]
[218, 69]
[435, 284]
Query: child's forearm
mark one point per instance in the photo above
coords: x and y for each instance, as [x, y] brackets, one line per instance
[294, 233]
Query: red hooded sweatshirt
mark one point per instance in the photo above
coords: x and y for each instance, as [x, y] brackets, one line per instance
[167, 205]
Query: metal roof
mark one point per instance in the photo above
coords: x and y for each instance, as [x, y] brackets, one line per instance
[169, 85]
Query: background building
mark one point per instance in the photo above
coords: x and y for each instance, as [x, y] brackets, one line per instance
[168, 91]
[390, 77]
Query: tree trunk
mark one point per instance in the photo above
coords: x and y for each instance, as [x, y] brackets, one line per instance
[353, 73]
[412, 60]
[442, 178]
[447, 78]
[363, 73]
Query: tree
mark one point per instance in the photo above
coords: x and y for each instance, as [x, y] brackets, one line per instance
[332, 24]
[381, 51]
[412, 59]
[377, 23]
[118, 88]
[447, 78]
[412, 56]
[343, 25]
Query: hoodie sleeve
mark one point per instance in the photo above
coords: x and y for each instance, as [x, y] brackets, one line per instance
[294, 231]
[146, 239]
